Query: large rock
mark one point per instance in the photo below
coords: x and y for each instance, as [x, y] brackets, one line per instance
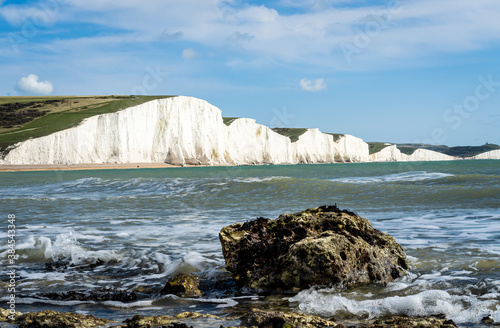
[183, 284]
[53, 319]
[320, 246]
[407, 322]
[270, 319]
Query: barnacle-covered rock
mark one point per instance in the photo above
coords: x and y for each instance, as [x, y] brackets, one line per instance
[319, 246]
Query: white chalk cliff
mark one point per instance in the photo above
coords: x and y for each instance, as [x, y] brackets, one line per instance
[493, 154]
[185, 130]
[393, 154]
[181, 130]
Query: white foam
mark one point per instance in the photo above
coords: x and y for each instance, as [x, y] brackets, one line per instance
[412, 176]
[257, 180]
[65, 248]
[461, 309]
[118, 304]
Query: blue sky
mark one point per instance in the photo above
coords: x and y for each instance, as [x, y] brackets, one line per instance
[398, 71]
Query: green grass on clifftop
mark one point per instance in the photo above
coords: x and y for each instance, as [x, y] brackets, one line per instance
[336, 136]
[375, 147]
[228, 120]
[460, 151]
[22, 118]
[292, 133]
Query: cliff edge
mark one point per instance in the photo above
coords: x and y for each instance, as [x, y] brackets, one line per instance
[181, 130]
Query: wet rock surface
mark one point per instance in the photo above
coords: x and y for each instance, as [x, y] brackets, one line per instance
[138, 321]
[254, 318]
[404, 322]
[167, 321]
[271, 319]
[319, 246]
[98, 294]
[48, 319]
[183, 284]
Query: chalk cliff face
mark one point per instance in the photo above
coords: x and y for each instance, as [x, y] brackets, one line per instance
[351, 149]
[181, 130]
[393, 154]
[493, 154]
[186, 130]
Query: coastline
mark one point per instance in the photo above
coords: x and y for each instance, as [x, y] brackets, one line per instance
[90, 166]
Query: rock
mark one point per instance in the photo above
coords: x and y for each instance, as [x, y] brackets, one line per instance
[407, 322]
[6, 315]
[138, 321]
[183, 284]
[265, 319]
[319, 246]
[97, 294]
[53, 319]
[196, 315]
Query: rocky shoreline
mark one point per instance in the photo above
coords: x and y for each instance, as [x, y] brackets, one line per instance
[322, 246]
[255, 318]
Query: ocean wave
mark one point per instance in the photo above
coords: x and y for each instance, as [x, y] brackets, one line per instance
[412, 176]
[257, 179]
[116, 188]
[459, 308]
[64, 248]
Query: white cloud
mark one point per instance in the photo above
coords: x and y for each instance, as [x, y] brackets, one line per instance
[33, 17]
[316, 85]
[31, 85]
[380, 36]
[188, 53]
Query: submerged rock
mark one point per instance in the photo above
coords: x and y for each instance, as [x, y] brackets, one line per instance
[404, 322]
[98, 294]
[53, 319]
[319, 246]
[271, 319]
[138, 321]
[7, 316]
[183, 284]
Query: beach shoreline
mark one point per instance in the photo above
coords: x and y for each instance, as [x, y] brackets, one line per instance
[90, 166]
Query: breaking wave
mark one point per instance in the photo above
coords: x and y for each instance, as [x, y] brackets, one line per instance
[412, 176]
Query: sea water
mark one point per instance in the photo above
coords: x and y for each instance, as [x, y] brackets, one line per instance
[106, 232]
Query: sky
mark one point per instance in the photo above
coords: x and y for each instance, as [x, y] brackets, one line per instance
[402, 71]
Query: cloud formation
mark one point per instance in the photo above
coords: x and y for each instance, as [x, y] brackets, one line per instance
[31, 85]
[188, 53]
[312, 86]
[377, 33]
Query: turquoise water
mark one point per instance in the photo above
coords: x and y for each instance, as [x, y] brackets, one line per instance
[132, 229]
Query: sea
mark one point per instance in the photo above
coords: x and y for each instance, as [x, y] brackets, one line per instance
[104, 242]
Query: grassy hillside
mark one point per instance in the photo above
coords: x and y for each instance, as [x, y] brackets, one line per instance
[292, 133]
[228, 120]
[460, 151]
[375, 147]
[336, 136]
[22, 118]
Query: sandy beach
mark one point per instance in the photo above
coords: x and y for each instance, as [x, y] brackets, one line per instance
[102, 166]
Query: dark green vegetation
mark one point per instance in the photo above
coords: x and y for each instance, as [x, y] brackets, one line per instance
[292, 133]
[336, 136]
[228, 120]
[375, 147]
[461, 151]
[22, 118]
